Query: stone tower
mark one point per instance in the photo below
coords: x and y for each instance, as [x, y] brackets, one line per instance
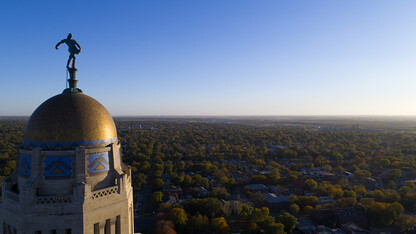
[69, 176]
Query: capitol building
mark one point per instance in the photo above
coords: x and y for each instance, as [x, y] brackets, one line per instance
[70, 177]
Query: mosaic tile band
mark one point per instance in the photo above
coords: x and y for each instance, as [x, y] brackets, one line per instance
[29, 145]
[98, 163]
[25, 165]
[58, 166]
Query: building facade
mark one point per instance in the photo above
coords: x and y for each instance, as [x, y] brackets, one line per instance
[69, 176]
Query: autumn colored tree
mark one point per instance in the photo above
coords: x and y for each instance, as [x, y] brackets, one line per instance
[219, 225]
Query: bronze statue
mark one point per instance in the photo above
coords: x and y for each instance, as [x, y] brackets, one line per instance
[73, 48]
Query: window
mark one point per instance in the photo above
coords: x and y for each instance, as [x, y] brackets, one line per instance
[97, 228]
[107, 227]
[118, 225]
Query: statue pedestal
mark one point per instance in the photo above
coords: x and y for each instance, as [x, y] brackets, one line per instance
[72, 81]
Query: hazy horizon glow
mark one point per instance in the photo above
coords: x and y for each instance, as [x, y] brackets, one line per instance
[214, 57]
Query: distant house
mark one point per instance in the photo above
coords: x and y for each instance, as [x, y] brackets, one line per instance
[172, 199]
[325, 200]
[322, 175]
[202, 191]
[306, 225]
[275, 201]
[324, 230]
[274, 189]
[170, 190]
[257, 187]
[351, 228]
[371, 184]
[339, 216]
[347, 175]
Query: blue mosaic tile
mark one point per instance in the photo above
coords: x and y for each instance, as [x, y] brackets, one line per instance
[98, 163]
[57, 166]
[25, 165]
[68, 145]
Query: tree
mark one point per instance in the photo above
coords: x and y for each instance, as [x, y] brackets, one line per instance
[246, 211]
[395, 174]
[307, 201]
[383, 214]
[274, 177]
[157, 183]
[336, 192]
[157, 169]
[181, 165]
[349, 193]
[270, 226]
[359, 190]
[198, 180]
[178, 216]
[289, 221]
[405, 190]
[198, 224]
[219, 192]
[164, 227]
[307, 210]
[144, 167]
[157, 197]
[211, 207]
[312, 184]
[293, 208]
[406, 222]
[259, 215]
[250, 227]
[346, 202]
[165, 207]
[139, 180]
[409, 201]
[168, 168]
[220, 225]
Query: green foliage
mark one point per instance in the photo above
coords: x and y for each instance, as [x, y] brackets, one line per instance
[157, 183]
[395, 174]
[219, 192]
[307, 210]
[383, 214]
[289, 221]
[157, 197]
[359, 190]
[210, 207]
[304, 201]
[198, 224]
[259, 215]
[349, 193]
[312, 184]
[406, 222]
[178, 216]
[139, 180]
[409, 201]
[294, 208]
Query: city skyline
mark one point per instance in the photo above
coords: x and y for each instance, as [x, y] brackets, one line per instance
[216, 57]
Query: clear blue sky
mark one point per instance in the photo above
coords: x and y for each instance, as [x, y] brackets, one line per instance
[226, 57]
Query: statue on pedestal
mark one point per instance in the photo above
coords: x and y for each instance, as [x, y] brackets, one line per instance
[73, 48]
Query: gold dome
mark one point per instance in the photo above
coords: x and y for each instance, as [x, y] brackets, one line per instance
[67, 119]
